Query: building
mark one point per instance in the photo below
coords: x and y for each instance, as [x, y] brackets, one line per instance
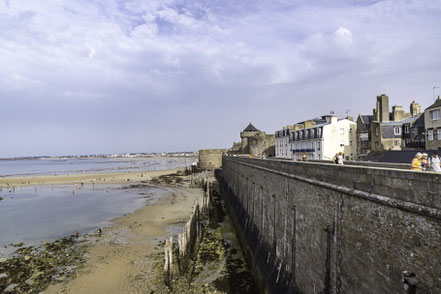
[414, 133]
[385, 130]
[323, 137]
[254, 142]
[364, 134]
[282, 145]
[432, 122]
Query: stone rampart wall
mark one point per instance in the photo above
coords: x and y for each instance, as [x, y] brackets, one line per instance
[323, 228]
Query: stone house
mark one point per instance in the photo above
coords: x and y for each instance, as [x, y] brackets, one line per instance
[414, 132]
[364, 134]
[432, 121]
[385, 130]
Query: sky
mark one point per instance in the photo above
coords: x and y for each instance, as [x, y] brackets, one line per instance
[114, 76]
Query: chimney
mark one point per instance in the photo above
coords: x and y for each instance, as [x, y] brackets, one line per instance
[415, 108]
[383, 108]
[398, 113]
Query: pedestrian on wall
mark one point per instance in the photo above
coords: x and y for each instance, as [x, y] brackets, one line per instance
[335, 159]
[304, 157]
[436, 163]
[340, 158]
[416, 162]
[425, 164]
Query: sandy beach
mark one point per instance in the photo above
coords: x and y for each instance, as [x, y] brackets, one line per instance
[86, 178]
[122, 259]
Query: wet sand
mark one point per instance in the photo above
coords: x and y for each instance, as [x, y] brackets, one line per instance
[122, 259]
[87, 178]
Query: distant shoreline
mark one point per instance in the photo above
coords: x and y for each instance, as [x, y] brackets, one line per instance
[186, 155]
[85, 178]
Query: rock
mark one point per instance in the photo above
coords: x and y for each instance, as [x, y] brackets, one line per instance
[3, 275]
[27, 257]
[2, 260]
[10, 288]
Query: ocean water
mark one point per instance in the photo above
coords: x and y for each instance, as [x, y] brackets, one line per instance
[27, 167]
[35, 214]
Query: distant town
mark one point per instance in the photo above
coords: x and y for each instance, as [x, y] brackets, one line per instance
[116, 155]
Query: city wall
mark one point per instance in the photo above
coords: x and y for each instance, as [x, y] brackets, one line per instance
[322, 228]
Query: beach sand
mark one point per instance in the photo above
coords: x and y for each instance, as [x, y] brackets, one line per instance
[122, 259]
[97, 178]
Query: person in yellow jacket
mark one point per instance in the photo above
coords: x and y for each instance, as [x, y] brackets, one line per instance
[416, 162]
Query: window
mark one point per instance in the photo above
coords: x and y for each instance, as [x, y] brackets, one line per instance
[415, 130]
[319, 132]
[350, 131]
[312, 133]
[430, 135]
[406, 129]
[319, 145]
[342, 131]
[350, 143]
[376, 131]
[377, 144]
[397, 131]
[438, 134]
[434, 114]
[396, 142]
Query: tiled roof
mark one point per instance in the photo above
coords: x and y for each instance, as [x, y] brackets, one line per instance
[367, 119]
[251, 128]
[436, 104]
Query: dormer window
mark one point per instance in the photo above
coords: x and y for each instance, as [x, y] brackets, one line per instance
[397, 131]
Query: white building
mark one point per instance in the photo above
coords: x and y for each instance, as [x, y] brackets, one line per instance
[283, 147]
[323, 137]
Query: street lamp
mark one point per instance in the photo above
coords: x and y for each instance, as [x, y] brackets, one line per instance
[434, 87]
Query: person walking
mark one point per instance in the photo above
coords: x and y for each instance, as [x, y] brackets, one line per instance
[425, 164]
[340, 158]
[416, 162]
[335, 159]
[436, 163]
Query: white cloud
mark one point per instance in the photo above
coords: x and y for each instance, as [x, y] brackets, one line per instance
[165, 53]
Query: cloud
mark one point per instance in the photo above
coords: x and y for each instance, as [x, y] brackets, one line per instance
[157, 66]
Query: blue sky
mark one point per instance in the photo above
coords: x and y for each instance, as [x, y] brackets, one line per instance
[110, 76]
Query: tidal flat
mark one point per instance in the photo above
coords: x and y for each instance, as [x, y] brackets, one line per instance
[39, 247]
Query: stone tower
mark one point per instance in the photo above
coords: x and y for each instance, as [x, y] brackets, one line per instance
[248, 132]
[415, 108]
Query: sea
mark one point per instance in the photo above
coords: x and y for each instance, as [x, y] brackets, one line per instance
[42, 213]
[59, 166]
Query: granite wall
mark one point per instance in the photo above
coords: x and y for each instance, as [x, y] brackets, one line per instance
[323, 228]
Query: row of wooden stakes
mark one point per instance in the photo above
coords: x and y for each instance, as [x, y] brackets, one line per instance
[190, 236]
